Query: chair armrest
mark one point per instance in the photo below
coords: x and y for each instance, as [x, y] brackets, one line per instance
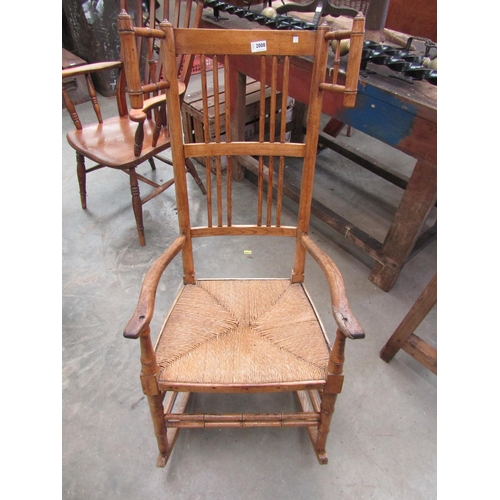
[90, 68]
[344, 318]
[139, 115]
[145, 306]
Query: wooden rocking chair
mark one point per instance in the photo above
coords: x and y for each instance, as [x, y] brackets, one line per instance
[124, 142]
[246, 335]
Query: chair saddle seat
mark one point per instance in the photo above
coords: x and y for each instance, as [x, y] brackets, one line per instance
[242, 333]
[111, 143]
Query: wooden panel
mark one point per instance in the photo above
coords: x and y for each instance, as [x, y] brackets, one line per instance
[413, 18]
[249, 42]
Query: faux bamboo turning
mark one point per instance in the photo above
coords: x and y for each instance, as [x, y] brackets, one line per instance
[303, 419]
[245, 335]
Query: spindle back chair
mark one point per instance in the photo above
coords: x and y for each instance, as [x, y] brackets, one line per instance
[126, 140]
[246, 335]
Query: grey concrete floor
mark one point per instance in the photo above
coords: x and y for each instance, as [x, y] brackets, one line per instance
[382, 443]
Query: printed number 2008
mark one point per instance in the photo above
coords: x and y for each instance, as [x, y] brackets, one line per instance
[260, 46]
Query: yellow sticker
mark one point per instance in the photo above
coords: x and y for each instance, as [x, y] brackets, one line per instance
[247, 252]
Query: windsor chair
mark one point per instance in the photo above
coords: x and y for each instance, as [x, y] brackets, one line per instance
[246, 335]
[124, 142]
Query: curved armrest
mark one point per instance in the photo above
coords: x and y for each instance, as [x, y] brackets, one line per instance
[90, 68]
[344, 318]
[145, 306]
[139, 115]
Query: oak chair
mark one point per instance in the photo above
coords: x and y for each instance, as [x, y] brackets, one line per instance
[124, 141]
[246, 335]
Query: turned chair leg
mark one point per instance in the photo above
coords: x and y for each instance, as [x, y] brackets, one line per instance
[192, 170]
[137, 205]
[81, 174]
[160, 430]
[152, 163]
[329, 397]
[149, 373]
[327, 409]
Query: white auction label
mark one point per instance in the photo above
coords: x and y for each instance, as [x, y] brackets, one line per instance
[259, 46]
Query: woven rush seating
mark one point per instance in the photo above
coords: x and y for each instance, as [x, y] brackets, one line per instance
[242, 332]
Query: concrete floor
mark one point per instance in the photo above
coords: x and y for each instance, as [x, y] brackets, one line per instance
[382, 443]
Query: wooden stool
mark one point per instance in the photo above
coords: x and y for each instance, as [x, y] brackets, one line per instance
[404, 338]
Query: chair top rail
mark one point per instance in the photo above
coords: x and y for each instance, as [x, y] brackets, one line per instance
[251, 42]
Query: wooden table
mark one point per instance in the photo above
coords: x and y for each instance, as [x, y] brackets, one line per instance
[399, 114]
[404, 336]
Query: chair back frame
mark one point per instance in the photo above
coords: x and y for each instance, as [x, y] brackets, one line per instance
[150, 84]
[274, 50]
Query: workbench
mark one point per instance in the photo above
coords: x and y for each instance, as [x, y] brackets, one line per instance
[401, 115]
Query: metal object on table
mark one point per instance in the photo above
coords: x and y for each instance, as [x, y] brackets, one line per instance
[398, 64]
[412, 58]
[216, 6]
[279, 22]
[432, 78]
[429, 44]
[389, 50]
[408, 65]
[320, 8]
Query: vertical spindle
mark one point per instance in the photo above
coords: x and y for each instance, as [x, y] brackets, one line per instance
[93, 97]
[355, 50]
[284, 103]
[272, 128]
[262, 126]
[206, 131]
[228, 139]
[218, 167]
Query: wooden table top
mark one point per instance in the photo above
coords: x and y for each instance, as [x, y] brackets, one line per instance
[420, 97]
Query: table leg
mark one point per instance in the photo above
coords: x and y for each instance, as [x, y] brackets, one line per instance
[404, 338]
[416, 204]
[299, 113]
